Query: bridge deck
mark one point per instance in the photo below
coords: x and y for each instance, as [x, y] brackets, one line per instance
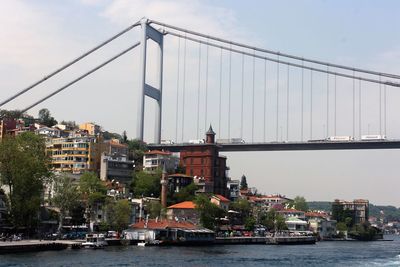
[289, 146]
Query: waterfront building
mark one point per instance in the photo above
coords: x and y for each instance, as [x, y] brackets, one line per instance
[155, 159]
[321, 224]
[296, 224]
[168, 232]
[183, 211]
[357, 209]
[203, 160]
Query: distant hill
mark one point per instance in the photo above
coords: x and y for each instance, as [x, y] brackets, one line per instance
[320, 205]
[391, 213]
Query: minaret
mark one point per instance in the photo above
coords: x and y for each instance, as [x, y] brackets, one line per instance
[164, 187]
[210, 136]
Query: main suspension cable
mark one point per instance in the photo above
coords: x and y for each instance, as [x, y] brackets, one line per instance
[81, 77]
[390, 83]
[275, 52]
[23, 91]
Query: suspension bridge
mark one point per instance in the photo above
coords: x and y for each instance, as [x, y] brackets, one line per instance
[268, 100]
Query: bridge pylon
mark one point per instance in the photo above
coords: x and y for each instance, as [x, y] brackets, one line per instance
[148, 32]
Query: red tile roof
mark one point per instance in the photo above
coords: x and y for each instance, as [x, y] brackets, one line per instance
[222, 198]
[183, 205]
[163, 224]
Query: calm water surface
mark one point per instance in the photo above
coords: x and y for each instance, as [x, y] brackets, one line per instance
[321, 254]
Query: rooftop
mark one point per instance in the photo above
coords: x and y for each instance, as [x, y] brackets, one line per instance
[183, 205]
[221, 198]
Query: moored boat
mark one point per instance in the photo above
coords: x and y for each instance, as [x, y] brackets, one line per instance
[95, 241]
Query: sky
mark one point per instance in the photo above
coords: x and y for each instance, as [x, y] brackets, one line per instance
[39, 36]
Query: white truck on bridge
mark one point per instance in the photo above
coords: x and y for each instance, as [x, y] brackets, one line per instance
[373, 137]
[344, 138]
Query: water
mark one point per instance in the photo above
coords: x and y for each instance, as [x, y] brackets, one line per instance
[321, 254]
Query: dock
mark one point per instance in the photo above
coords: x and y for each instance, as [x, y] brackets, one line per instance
[36, 245]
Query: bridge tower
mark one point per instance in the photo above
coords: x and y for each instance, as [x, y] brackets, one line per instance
[149, 32]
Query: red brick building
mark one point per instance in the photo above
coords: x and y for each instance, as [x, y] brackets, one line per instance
[203, 160]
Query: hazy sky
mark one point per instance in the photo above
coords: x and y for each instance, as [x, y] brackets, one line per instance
[38, 36]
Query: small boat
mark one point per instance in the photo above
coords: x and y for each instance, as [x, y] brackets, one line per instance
[141, 244]
[95, 241]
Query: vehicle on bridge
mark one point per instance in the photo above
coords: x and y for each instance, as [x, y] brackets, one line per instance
[167, 142]
[340, 138]
[197, 141]
[373, 137]
[231, 141]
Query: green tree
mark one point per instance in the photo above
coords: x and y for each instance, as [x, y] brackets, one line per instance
[241, 205]
[124, 137]
[89, 184]
[137, 148]
[341, 226]
[119, 214]
[66, 197]
[185, 194]
[209, 212]
[10, 114]
[154, 209]
[24, 169]
[300, 203]
[146, 184]
[243, 183]
[46, 118]
[273, 220]
[92, 190]
[250, 223]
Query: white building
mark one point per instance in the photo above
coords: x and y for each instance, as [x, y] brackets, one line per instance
[154, 159]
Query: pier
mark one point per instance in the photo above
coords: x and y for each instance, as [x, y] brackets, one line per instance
[36, 245]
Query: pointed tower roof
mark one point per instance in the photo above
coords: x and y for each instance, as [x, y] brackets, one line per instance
[210, 130]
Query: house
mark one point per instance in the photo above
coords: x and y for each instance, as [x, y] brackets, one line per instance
[155, 159]
[178, 181]
[48, 131]
[321, 224]
[292, 213]
[296, 224]
[220, 201]
[183, 211]
[92, 128]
